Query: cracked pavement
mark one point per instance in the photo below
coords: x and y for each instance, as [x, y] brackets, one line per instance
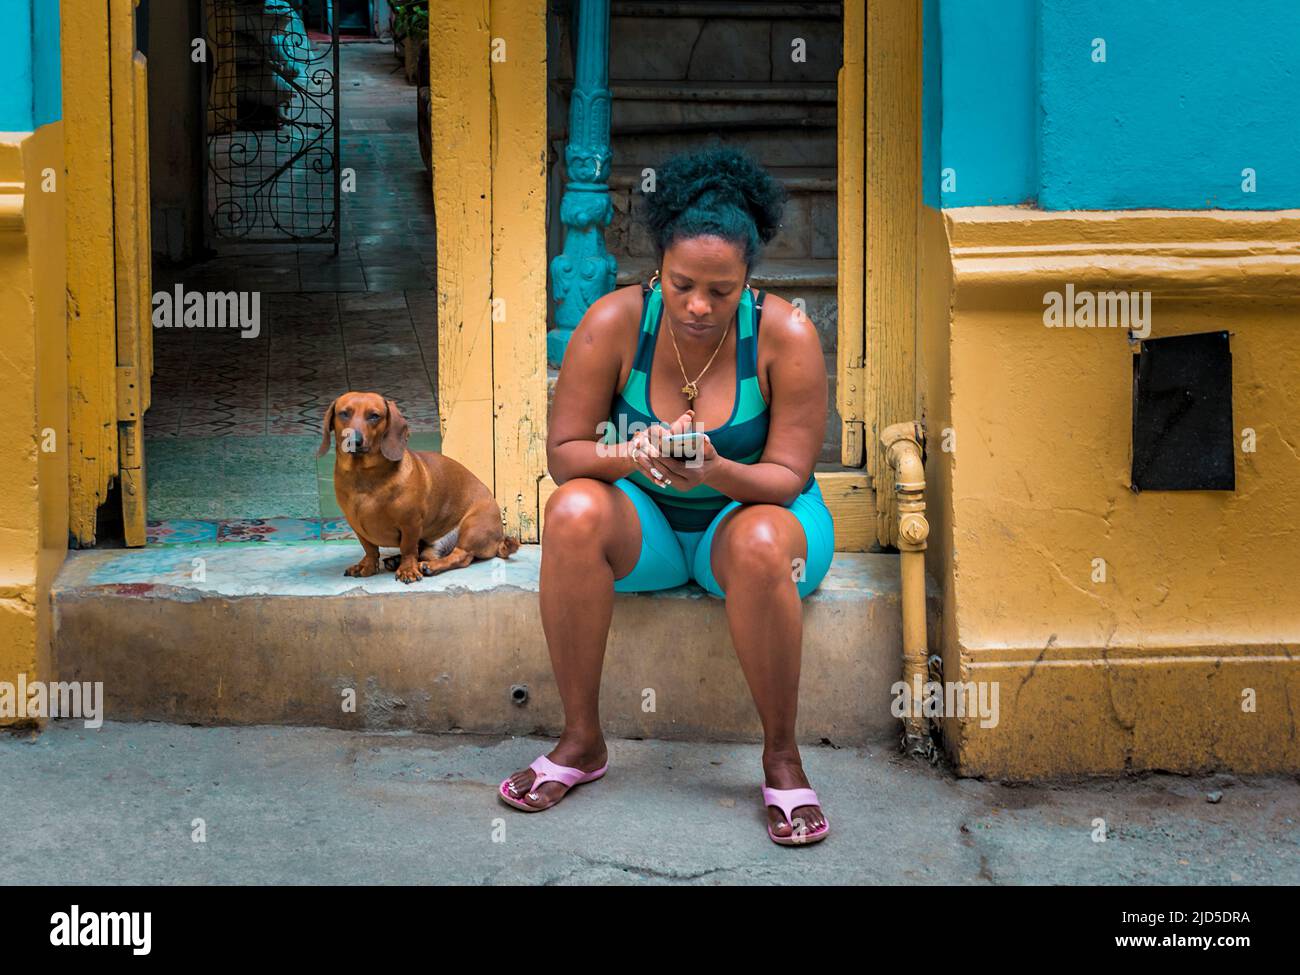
[119, 805]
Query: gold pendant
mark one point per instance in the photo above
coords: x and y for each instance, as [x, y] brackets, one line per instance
[691, 391]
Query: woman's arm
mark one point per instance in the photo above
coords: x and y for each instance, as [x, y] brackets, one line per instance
[583, 393]
[797, 417]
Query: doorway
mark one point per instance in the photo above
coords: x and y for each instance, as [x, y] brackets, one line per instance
[236, 414]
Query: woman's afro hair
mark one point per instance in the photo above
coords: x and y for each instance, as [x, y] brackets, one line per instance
[718, 191]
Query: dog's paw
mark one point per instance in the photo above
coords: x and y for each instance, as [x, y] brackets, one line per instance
[366, 567]
[411, 573]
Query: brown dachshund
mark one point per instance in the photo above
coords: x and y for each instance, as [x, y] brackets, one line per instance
[431, 507]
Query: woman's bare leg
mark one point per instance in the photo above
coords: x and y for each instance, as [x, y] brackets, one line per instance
[591, 537]
[754, 549]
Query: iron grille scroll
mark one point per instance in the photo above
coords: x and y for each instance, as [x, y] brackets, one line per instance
[271, 112]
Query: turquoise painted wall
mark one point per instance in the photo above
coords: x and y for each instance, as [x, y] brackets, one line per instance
[978, 102]
[31, 91]
[1193, 94]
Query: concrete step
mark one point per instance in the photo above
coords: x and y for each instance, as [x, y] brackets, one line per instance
[762, 96]
[810, 221]
[276, 634]
[730, 9]
[780, 124]
[717, 41]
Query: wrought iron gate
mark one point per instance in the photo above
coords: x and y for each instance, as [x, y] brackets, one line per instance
[271, 100]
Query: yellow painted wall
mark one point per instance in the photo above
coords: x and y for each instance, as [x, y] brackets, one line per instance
[1148, 669]
[34, 477]
[934, 397]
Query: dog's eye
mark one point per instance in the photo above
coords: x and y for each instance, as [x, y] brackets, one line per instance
[373, 417]
[344, 414]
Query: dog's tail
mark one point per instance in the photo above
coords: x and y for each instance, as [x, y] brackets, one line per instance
[507, 547]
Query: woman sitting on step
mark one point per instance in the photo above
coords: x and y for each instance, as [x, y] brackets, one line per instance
[741, 514]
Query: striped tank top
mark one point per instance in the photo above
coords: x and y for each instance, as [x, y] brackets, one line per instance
[741, 439]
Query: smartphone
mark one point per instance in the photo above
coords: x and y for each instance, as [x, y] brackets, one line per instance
[683, 445]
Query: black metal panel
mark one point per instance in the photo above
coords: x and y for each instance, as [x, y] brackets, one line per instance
[271, 124]
[1182, 414]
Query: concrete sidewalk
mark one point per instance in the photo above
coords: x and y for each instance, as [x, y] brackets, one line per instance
[290, 805]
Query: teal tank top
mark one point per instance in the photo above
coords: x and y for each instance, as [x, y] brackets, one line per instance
[741, 439]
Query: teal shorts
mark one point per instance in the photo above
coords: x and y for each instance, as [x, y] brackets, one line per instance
[670, 558]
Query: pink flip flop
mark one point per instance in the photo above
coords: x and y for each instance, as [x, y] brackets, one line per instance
[548, 771]
[788, 800]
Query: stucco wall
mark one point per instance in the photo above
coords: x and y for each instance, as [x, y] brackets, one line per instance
[1181, 653]
[1019, 108]
[30, 86]
[34, 477]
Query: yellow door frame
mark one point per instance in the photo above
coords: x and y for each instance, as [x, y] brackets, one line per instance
[488, 95]
[878, 378]
[110, 345]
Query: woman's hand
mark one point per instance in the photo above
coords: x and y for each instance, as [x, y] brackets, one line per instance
[650, 453]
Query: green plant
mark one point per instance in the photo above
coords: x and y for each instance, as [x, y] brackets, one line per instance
[411, 19]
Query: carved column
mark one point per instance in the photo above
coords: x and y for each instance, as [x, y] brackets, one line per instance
[584, 270]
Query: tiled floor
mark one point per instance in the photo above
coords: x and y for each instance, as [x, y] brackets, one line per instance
[310, 348]
[231, 478]
[234, 423]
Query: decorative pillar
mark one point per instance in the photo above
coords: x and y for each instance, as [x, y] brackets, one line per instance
[584, 270]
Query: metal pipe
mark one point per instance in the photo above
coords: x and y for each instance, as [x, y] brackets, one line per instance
[904, 445]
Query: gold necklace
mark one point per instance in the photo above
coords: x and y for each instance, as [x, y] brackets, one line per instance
[692, 389]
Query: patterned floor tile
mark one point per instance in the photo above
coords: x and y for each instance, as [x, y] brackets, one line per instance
[269, 529]
[336, 530]
[180, 532]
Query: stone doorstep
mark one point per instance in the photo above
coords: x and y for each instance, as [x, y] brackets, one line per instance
[276, 634]
[730, 9]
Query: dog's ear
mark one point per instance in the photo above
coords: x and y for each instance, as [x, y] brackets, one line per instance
[327, 430]
[396, 434]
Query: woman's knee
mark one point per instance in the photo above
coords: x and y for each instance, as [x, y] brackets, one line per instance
[591, 520]
[579, 509]
[762, 543]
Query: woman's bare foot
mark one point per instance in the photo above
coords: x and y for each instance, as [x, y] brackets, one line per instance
[580, 752]
[785, 771]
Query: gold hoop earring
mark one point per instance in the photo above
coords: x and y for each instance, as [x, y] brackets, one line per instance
[654, 278]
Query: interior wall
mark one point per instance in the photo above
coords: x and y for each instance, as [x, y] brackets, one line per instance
[175, 158]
